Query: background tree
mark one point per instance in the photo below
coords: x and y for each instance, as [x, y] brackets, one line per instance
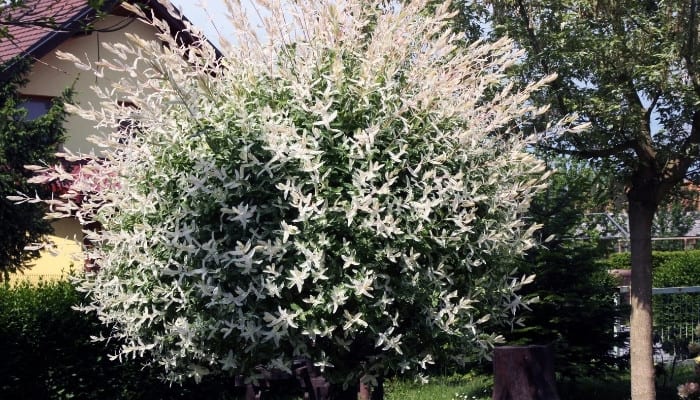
[576, 311]
[344, 187]
[675, 217]
[23, 142]
[630, 69]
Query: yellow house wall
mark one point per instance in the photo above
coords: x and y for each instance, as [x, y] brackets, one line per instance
[49, 77]
[66, 256]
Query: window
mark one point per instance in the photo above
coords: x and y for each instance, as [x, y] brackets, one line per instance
[36, 106]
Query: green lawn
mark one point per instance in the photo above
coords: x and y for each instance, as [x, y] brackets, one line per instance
[462, 387]
[478, 387]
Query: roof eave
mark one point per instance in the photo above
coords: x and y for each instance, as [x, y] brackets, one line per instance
[53, 38]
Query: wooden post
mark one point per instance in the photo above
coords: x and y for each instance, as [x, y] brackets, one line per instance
[524, 373]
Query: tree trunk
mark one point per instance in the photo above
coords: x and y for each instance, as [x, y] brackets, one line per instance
[524, 373]
[641, 214]
[367, 392]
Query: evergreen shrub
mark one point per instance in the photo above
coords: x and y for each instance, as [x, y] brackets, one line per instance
[671, 268]
[46, 352]
[576, 309]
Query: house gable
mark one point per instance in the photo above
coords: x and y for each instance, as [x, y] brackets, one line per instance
[83, 35]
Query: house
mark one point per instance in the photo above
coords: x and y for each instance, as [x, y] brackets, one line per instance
[72, 26]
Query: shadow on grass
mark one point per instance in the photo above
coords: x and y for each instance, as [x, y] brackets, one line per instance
[479, 387]
[618, 387]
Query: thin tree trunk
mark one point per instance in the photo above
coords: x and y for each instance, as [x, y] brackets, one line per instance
[641, 214]
[367, 392]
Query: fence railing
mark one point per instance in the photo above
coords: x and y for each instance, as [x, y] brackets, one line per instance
[676, 312]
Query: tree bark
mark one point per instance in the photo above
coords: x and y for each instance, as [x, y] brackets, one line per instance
[367, 392]
[641, 214]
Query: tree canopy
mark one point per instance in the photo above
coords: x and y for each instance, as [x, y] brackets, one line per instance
[348, 187]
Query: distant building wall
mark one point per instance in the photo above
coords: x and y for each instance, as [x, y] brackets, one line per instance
[66, 256]
[48, 78]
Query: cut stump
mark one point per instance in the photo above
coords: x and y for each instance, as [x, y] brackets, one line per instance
[524, 373]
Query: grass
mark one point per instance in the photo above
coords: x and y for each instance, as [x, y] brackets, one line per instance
[461, 387]
[479, 387]
[618, 387]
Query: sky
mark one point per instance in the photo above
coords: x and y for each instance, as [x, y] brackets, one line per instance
[205, 14]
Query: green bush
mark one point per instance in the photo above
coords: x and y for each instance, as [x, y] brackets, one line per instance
[671, 268]
[618, 261]
[40, 340]
[677, 268]
[46, 353]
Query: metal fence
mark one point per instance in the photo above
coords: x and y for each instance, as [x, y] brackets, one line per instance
[676, 318]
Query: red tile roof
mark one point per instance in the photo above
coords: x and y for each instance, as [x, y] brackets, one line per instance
[38, 22]
[65, 17]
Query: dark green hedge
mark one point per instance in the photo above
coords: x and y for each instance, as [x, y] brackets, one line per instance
[46, 353]
[671, 268]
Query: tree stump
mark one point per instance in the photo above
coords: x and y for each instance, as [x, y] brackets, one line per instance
[524, 373]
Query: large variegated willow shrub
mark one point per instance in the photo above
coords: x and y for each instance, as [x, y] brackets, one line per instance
[347, 183]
